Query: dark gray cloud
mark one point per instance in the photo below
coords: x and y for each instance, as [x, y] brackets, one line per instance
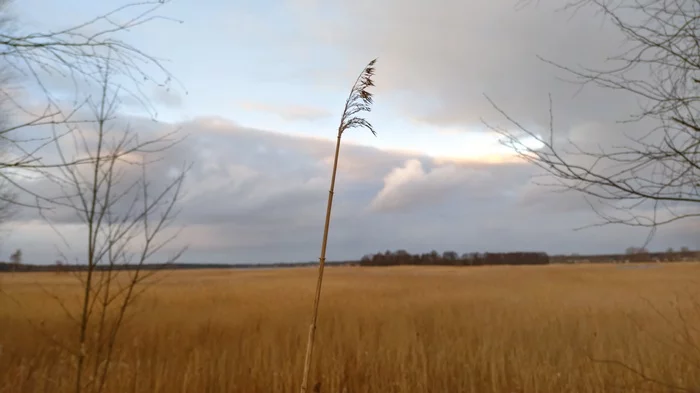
[256, 195]
[442, 56]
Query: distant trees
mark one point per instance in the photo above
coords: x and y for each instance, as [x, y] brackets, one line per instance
[59, 267]
[449, 256]
[632, 254]
[636, 250]
[452, 258]
[16, 258]
[637, 254]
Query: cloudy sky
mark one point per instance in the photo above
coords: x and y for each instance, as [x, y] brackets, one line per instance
[263, 82]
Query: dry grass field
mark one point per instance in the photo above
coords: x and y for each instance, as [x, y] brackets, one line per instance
[402, 329]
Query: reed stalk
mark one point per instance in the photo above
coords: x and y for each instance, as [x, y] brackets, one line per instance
[359, 100]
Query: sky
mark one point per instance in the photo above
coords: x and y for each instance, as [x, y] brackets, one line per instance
[260, 86]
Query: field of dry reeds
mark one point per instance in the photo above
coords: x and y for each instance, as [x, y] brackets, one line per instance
[579, 328]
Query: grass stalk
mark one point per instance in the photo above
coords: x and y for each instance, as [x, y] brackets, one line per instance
[359, 100]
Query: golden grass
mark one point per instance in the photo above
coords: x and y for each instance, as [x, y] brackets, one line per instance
[403, 329]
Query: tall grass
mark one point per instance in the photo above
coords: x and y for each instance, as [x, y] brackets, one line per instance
[359, 100]
[404, 329]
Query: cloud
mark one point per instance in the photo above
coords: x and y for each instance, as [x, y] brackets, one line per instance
[410, 186]
[260, 196]
[437, 59]
[287, 111]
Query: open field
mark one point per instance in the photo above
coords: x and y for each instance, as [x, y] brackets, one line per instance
[399, 329]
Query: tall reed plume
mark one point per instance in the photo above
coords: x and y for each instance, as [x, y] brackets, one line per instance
[359, 100]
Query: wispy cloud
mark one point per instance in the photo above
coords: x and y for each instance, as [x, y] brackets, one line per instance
[287, 111]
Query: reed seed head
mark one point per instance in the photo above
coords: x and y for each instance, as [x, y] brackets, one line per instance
[359, 100]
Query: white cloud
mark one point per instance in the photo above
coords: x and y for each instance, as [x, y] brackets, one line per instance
[411, 186]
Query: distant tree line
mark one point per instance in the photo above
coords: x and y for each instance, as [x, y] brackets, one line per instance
[451, 258]
[388, 258]
[62, 267]
[632, 255]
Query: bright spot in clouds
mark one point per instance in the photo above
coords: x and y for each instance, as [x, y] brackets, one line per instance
[453, 144]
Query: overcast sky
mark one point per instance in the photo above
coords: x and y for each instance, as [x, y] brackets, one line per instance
[265, 81]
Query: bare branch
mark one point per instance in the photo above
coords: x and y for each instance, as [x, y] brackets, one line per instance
[652, 179]
[75, 53]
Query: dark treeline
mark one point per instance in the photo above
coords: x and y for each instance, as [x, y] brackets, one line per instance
[63, 268]
[389, 258]
[451, 258]
[645, 256]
